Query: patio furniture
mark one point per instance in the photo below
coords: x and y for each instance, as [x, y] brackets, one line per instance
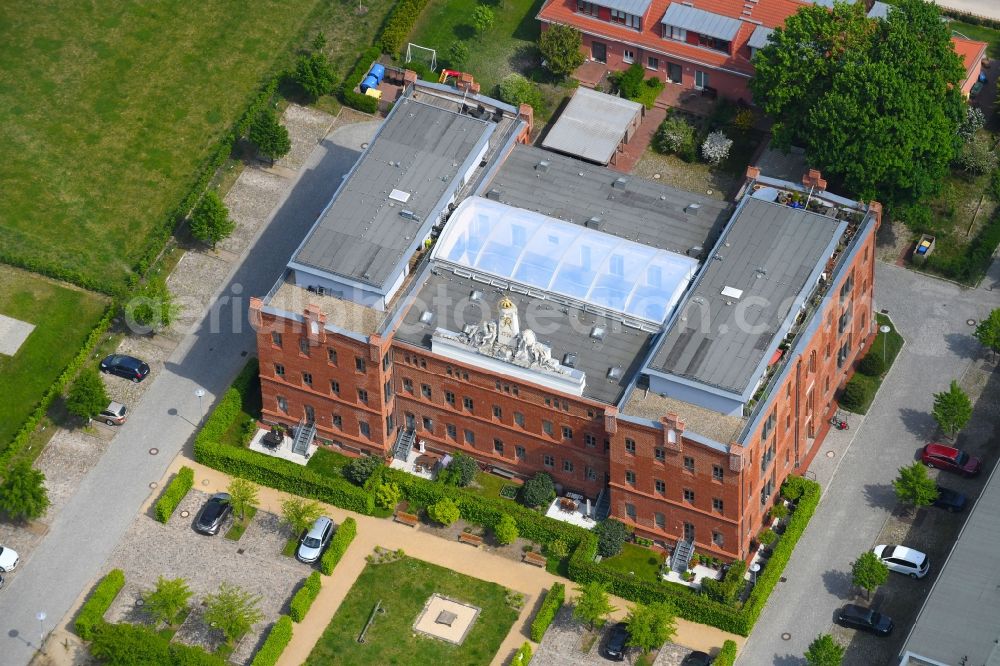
[272, 439]
[471, 539]
[567, 505]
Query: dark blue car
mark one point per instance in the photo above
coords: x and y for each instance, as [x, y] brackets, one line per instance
[950, 500]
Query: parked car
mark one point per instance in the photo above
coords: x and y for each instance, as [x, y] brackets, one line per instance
[8, 559]
[951, 459]
[866, 619]
[615, 648]
[213, 514]
[125, 366]
[115, 414]
[315, 540]
[698, 658]
[904, 560]
[950, 500]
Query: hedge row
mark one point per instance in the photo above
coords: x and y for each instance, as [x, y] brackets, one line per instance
[229, 406]
[974, 19]
[175, 492]
[727, 655]
[56, 389]
[304, 598]
[553, 601]
[338, 545]
[399, 23]
[277, 640]
[523, 655]
[348, 95]
[59, 272]
[137, 644]
[91, 615]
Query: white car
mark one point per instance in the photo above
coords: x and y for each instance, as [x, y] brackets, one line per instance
[8, 559]
[904, 560]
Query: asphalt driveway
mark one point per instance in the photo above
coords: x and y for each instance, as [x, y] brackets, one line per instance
[932, 316]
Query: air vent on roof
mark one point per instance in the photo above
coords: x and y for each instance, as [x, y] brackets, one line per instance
[597, 332]
[409, 215]
[493, 194]
[620, 183]
[476, 296]
[615, 373]
[426, 317]
[569, 360]
[732, 292]
[542, 166]
[595, 223]
[692, 209]
[399, 195]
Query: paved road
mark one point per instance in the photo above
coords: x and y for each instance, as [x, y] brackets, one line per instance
[988, 8]
[85, 532]
[931, 315]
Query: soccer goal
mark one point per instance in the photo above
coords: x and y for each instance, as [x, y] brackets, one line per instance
[422, 54]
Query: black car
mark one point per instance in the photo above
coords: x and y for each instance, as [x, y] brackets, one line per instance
[859, 617]
[213, 514]
[125, 366]
[615, 649]
[697, 658]
[950, 500]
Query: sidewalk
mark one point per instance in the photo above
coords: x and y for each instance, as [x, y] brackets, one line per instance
[528, 580]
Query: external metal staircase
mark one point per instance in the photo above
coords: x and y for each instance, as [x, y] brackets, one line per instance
[404, 444]
[304, 436]
[682, 556]
[603, 506]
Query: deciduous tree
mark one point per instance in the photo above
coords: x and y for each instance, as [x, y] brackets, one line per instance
[444, 511]
[537, 490]
[165, 602]
[210, 221]
[387, 495]
[868, 572]
[506, 530]
[988, 332]
[611, 535]
[560, 46]
[233, 610]
[482, 18]
[651, 625]
[153, 308]
[22, 494]
[300, 513]
[593, 604]
[824, 651]
[914, 487]
[952, 409]
[88, 395]
[243, 495]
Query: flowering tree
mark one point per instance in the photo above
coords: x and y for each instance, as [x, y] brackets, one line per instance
[716, 147]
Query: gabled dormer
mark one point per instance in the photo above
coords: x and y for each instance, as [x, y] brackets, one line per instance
[684, 23]
[628, 13]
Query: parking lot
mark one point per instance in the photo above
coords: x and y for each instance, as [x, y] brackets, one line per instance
[255, 563]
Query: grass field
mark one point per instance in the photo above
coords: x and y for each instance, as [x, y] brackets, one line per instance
[641, 562]
[107, 109]
[404, 586]
[63, 317]
[887, 344]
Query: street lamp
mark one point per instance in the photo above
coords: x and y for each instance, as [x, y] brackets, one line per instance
[200, 392]
[884, 330]
[41, 630]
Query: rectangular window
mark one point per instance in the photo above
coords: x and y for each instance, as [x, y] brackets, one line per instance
[717, 538]
[629, 446]
[626, 19]
[310, 413]
[307, 378]
[449, 397]
[359, 364]
[688, 464]
[304, 346]
[688, 495]
[769, 425]
[591, 473]
[674, 72]
[567, 432]
[549, 461]
[661, 487]
[363, 396]
[652, 62]
[567, 465]
[390, 424]
[589, 440]
[282, 404]
[788, 420]
[338, 421]
[276, 339]
[365, 429]
[717, 472]
[628, 56]
[630, 510]
[425, 390]
[660, 520]
[588, 8]
[630, 477]
[847, 287]
[520, 453]
[467, 403]
[331, 356]
[387, 390]
[470, 438]
[428, 424]
[497, 412]
[386, 361]
[547, 427]
[673, 32]
[408, 385]
[660, 454]
[498, 447]
[717, 504]
[700, 79]
[279, 370]
[519, 419]
[713, 43]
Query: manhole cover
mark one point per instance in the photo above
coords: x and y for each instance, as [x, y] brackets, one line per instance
[656, 176]
[139, 602]
[364, 145]
[153, 451]
[970, 322]
[786, 636]
[239, 551]
[153, 484]
[709, 192]
[783, 579]
[185, 513]
[830, 454]
[204, 482]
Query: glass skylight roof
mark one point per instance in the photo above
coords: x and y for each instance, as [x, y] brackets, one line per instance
[569, 259]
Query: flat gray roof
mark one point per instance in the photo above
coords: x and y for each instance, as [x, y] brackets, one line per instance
[769, 253]
[565, 329]
[701, 21]
[758, 39]
[641, 210]
[635, 7]
[961, 615]
[592, 125]
[420, 150]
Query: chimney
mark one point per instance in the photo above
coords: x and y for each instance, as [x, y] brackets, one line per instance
[753, 173]
[873, 206]
[673, 432]
[315, 325]
[813, 179]
[526, 113]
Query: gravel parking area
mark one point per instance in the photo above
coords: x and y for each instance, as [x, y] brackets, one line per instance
[563, 642]
[255, 563]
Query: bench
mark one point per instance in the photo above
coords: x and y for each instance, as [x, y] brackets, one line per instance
[531, 557]
[471, 539]
[505, 473]
[406, 518]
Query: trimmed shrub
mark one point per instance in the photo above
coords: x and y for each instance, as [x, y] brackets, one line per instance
[505, 530]
[360, 469]
[872, 365]
[338, 545]
[399, 24]
[444, 511]
[523, 656]
[674, 135]
[727, 590]
[629, 82]
[304, 598]
[137, 644]
[856, 394]
[91, 615]
[175, 492]
[727, 655]
[767, 537]
[557, 548]
[516, 90]
[458, 53]
[276, 642]
[349, 94]
[778, 511]
[538, 490]
[553, 601]
[460, 471]
[611, 535]
[387, 495]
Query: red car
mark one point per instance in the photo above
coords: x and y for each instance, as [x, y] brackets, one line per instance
[951, 459]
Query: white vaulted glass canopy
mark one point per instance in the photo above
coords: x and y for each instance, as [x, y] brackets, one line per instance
[564, 258]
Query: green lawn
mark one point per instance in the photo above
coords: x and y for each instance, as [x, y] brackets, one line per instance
[488, 485]
[63, 318]
[240, 526]
[890, 343]
[643, 562]
[107, 109]
[404, 587]
[327, 463]
[250, 413]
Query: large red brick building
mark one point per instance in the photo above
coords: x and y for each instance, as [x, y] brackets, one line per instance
[669, 356]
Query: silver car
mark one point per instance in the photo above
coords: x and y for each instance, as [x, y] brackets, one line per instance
[315, 540]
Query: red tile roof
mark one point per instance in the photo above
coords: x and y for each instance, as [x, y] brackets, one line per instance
[971, 52]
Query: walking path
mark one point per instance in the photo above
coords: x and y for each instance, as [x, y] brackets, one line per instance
[476, 562]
